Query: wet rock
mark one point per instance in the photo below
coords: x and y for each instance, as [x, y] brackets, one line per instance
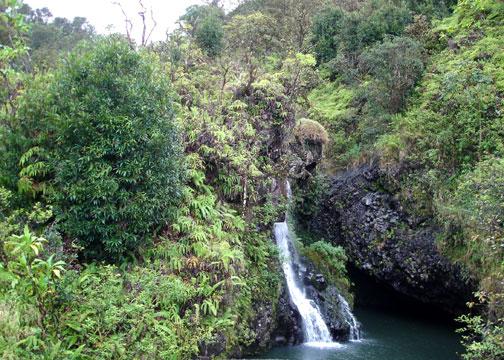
[335, 318]
[320, 282]
[316, 280]
[215, 347]
[289, 323]
[274, 324]
[327, 299]
[360, 214]
[305, 156]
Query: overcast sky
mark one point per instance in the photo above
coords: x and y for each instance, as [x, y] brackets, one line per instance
[103, 13]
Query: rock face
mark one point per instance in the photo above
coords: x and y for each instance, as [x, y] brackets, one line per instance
[305, 156]
[327, 298]
[213, 348]
[331, 308]
[289, 327]
[274, 325]
[359, 214]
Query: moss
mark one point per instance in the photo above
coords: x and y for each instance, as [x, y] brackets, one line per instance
[331, 262]
[311, 130]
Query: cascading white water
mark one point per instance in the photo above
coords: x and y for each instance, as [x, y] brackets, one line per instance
[316, 331]
[315, 328]
[350, 318]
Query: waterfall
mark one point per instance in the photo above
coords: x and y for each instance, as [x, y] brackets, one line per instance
[314, 326]
[350, 319]
[315, 329]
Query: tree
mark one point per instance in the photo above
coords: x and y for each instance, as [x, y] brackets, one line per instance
[112, 148]
[396, 65]
[431, 8]
[209, 35]
[13, 50]
[250, 38]
[205, 25]
[326, 27]
[48, 40]
[346, 34]
[292, 19]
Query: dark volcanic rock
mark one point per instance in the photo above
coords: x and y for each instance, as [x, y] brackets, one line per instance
[330, 306]
[271, 328]
[209, 349]
[381, 239]
[289, 330]
[304, 158]
[327, 298]
[316, 280]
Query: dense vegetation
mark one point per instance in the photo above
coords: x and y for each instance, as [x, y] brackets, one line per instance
[139, 184]
[427, 103]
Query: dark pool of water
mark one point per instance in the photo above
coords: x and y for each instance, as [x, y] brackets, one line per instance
[387, 335]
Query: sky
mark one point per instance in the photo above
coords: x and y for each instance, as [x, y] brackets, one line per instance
[107, 17]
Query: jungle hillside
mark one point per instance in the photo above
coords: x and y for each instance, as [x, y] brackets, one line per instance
[141, 181]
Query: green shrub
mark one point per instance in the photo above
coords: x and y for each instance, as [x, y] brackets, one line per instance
[431, 8]
[330, 261]
[395, 66]
[476, 208]
[29, 301]
[47, 311]
[338, 34]
[326, 27]
[113, 146]
[205, 24]
[307, 199]
[209, 35]
[482, 340]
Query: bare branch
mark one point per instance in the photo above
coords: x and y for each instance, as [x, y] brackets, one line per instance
[127, 23]
[142, 16]
[154, 24]
[143, 10]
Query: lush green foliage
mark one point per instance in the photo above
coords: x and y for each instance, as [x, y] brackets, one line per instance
[331, 261]
[164, 158]
[13, 48]
[96, 141]
[394, 65]
[205, 24]
[49, 37]
[325, 33]
[291, 23]
[307, 200]
[476, 205]
[375, 55]
[28, 297]
[339, 36]
[102, 312]
[440, 143]
[481, 341]
[116, 169]
[452, 133]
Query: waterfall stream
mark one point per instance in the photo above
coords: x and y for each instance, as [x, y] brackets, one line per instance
[350, 318]
[315, 329]
[314, 326]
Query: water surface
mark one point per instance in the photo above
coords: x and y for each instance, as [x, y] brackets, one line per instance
[387, 336]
